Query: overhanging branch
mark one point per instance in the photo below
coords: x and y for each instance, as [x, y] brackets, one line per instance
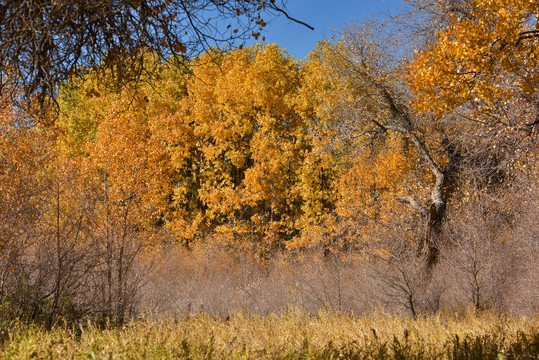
[282, 11]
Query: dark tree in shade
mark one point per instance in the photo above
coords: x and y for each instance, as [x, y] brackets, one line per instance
[45, 42]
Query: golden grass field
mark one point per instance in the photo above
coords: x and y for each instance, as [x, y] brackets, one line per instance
[292, 335]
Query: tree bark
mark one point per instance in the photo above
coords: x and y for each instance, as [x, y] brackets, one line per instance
[433, 232]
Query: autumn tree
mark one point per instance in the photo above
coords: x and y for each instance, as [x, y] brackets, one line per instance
[484, 52]
[463, 107]
[115, 139]
[126, 169]
[371, 108]
[45, 253]
[62, 255]
[239, 139]
[482, 67]
[24, 154]
[242, 150]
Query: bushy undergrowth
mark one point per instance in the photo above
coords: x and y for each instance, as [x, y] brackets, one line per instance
[289, 336]
[483, 274]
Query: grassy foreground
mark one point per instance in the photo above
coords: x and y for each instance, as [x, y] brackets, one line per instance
[289, 336]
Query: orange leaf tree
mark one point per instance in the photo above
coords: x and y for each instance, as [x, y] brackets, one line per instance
[241, 147]
[126, 170]
[481, 69]
[240, 156]
[486, 51]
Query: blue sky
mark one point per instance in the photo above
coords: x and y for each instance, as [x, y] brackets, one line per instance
[325, 16]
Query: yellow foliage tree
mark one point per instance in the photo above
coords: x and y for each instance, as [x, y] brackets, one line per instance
[482, 69]
[241, 159]
[25, 154]
[241, 147]
[115, 138]
[472, 56]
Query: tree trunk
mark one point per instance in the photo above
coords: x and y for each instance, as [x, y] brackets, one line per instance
[433, 232]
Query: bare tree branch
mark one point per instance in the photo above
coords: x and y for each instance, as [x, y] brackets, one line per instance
[413, 203]
[43, 43]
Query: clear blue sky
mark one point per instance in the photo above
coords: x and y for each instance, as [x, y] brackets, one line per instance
[324, 16]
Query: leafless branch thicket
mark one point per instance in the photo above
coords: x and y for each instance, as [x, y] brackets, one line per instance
[54, 262]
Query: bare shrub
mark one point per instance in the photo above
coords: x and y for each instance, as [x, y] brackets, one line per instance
[524, 295]
[220, 282]
[330, 282]
[488, 254]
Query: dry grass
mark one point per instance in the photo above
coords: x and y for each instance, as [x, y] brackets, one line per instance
[291, 335]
